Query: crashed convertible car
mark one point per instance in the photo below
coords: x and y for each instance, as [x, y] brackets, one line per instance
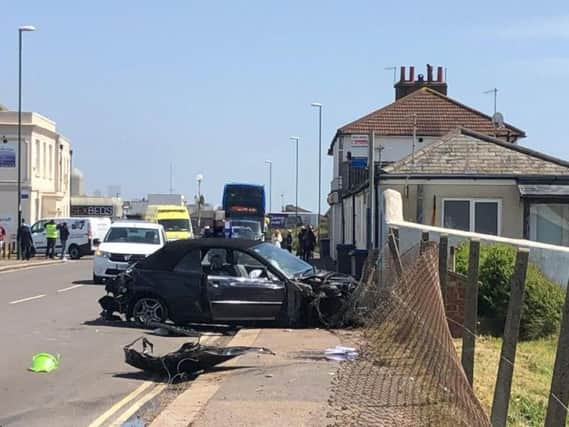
[227, 281]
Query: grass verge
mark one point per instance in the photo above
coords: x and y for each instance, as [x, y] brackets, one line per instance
[532, 377]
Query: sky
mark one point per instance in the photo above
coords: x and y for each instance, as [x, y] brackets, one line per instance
[216, 88]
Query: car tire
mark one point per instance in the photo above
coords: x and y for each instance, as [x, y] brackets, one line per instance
[148, 308]
[74, 252]
[98, 280]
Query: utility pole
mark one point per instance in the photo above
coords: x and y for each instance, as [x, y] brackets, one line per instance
[171, 188]
[295, 139]
[319, 106]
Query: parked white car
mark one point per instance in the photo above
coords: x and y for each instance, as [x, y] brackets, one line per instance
[126, 242]
[82, 233]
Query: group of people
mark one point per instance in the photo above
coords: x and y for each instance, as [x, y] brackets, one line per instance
[306, 242]
[52, 232]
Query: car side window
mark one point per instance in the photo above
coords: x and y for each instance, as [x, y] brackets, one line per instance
[38, 227]
[190, 263]
[246, 260]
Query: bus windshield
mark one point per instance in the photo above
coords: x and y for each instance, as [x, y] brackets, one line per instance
[242, 200]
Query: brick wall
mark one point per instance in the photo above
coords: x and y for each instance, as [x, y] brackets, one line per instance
[455, 303]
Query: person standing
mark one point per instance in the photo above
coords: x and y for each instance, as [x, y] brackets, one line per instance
[63, 236]
[51, 236]
[2, 237]
[301, 242]
[25, 240]
[310, 243]
[288, 241]
[277, 239]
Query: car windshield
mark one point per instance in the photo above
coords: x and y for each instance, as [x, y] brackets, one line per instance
[254, 226]
[283, 260]
[180, 224]
[133, 235]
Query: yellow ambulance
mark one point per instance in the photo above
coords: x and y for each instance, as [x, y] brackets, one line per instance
[174, 218]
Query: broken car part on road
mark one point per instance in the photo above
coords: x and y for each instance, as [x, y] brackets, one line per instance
[190, 358]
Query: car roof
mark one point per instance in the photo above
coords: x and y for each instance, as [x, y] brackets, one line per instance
[136, 224]
[211, 242]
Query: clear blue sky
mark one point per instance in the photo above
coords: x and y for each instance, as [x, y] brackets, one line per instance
[218, 87]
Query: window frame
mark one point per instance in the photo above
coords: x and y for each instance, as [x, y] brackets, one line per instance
[472, 210]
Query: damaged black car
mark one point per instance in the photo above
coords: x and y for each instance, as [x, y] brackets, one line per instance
[227, 281]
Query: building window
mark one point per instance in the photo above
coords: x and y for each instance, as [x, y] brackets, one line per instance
[50, 176]
[44, 157]
[477, 215]
[549, 223]
[37, 157]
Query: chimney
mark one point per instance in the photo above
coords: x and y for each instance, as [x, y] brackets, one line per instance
[404, 87]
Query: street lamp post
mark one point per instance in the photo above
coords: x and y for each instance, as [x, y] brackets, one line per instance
[199, 179]
[270, 163]
[20, 31]
[319, 106]
[295, 139]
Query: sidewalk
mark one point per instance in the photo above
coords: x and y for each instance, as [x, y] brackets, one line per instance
[291, 388]
[14, 264]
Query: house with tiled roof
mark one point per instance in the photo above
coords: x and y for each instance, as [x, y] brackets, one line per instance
[468, 173]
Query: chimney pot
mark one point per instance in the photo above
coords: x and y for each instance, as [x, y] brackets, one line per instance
[429, 73]
[402, 74]
[412, 73]
[440, 74]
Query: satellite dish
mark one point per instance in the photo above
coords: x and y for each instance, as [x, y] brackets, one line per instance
[498, 120]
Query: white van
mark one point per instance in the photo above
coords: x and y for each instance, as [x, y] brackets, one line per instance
[82, 232]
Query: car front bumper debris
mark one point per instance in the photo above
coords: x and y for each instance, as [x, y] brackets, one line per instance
[190, 358]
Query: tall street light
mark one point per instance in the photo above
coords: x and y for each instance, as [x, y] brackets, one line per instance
[270, 163]
[296, 139]
[199, 179]
[319, 106]
[20, 31]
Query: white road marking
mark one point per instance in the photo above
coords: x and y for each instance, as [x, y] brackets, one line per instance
[69, 288]
[138, 404]
[27, 299]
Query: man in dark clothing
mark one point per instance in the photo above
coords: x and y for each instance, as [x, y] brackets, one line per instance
[63, 236]
[25, 240]
[288, 242]
[309, 243]
[301, 242]
[51, 236]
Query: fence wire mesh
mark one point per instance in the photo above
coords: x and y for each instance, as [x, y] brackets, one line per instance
[408, 372]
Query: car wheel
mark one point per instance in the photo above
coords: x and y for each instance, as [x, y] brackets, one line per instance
[149, 309]
[98, 280]
[74, 252]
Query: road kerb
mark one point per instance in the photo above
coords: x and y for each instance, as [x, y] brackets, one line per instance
[24, 266]
[186, 407]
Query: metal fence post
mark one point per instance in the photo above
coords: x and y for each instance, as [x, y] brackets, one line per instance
[559, 392]
[395, 254]
[510, 341]
[470, 311]
[395, 232]
[452, 266]
[443, 265]
[424, 239]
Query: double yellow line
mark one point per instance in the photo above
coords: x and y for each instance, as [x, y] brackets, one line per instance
[133, 408]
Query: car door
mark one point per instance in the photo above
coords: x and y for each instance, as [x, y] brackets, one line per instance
[38, 235]
[235, 295]
[183, 289]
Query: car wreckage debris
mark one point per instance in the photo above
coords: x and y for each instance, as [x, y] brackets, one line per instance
[191, 357]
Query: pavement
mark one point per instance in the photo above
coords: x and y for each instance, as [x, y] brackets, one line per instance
[291, 388]
[15, 264]
[54, 309]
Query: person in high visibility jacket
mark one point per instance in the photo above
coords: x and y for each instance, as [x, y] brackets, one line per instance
[51, 235]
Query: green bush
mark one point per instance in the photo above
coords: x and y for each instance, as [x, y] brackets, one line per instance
[543, 300]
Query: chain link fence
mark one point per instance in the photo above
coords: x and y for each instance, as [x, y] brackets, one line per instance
[407, 372]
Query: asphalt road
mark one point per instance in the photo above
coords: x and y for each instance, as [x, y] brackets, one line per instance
[54, 309]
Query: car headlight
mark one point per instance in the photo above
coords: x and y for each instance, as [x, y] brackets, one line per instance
[104, 254]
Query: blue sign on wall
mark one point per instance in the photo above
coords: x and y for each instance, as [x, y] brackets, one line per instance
[7, 156]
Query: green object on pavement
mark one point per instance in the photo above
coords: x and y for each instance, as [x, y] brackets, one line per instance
[44, 362]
